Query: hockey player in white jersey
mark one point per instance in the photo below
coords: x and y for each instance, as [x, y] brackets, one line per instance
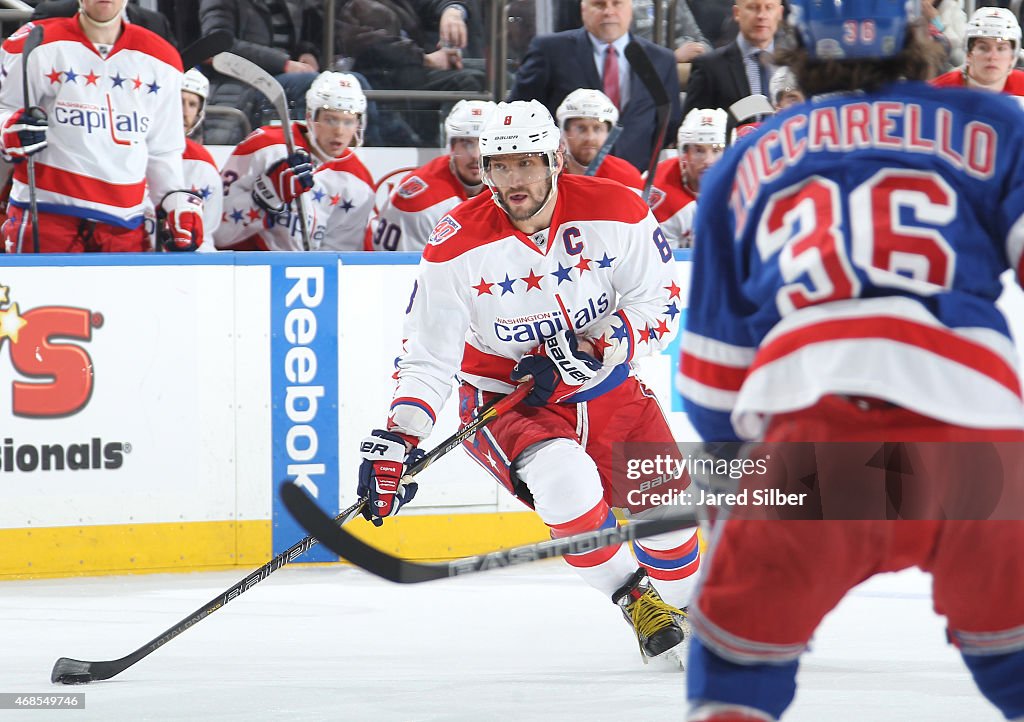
[197, 165]
[586, 118]
[109, 134]
[701, 142]
[547, 266]
[427, 193]
[264, 186]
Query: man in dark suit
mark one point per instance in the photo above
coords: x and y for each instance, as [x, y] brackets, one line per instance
[148, 19]
[741, 68]
[593, 57]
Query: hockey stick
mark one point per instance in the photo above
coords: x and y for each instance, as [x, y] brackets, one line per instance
[33, 41]
[248, 72]
[206, 47]
[606, 147]
[641, 65]
[404, 571]
[74, 671]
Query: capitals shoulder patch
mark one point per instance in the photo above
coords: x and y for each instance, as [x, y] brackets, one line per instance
[411, 187]
[445, 229]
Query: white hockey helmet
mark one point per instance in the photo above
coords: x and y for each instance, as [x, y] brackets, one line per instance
[783, 81]
[703, 126]
[587, 103]
[993, 22]
[337, 91]
[195, 82]
[467, 119]
[522, 126]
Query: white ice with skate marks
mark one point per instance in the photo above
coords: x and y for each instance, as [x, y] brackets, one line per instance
[333, 643]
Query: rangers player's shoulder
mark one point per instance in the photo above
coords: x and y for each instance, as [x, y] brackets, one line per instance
[348, 162]
[197, 151]
[135, 37]
[426, 186]
[598, 199]
[470, 225]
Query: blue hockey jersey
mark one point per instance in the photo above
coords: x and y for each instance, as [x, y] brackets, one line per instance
[854, 245]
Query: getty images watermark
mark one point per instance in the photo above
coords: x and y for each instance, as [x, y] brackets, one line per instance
[667, 473]
[966, 480]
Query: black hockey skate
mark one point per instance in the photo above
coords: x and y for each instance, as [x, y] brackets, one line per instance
[658, 626]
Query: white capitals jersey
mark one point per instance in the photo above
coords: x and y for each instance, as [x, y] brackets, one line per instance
[488, 293]
[114, 121]
[337, 208]
[416, 205]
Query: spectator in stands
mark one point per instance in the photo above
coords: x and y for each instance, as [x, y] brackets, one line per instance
[992, 45]
[280, 36]
[714, 18]
[427, 193]
[948, 18]
[741, 68]
[593, 57]
[323, 178]
[586, 118]
[149, 19]
[411, 44]
[687, 38]
[673, 198]
[784, 91]
[94, 167]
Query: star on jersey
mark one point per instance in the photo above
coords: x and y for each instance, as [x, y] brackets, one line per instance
[583, 265]
[483, 287]
[70, 76]
[673, 290]
[153, 87]
[205, 191]
[671, 311]
[318, 195]
[620, 333]
[507, 284]
[91, 78]
[254, 214]
[532, 281]
[562, 274]
[348, 205]
[606, 262]
[53, 76]
[336, 199]
[117, 81]
[237, 216]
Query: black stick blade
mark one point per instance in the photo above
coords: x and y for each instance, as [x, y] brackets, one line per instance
[315, 521]
[71, 671]
[206, 47]
[642, 66]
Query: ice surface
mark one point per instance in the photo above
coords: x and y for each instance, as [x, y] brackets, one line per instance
[531, 643]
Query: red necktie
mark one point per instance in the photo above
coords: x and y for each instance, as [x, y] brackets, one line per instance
[611, 75]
